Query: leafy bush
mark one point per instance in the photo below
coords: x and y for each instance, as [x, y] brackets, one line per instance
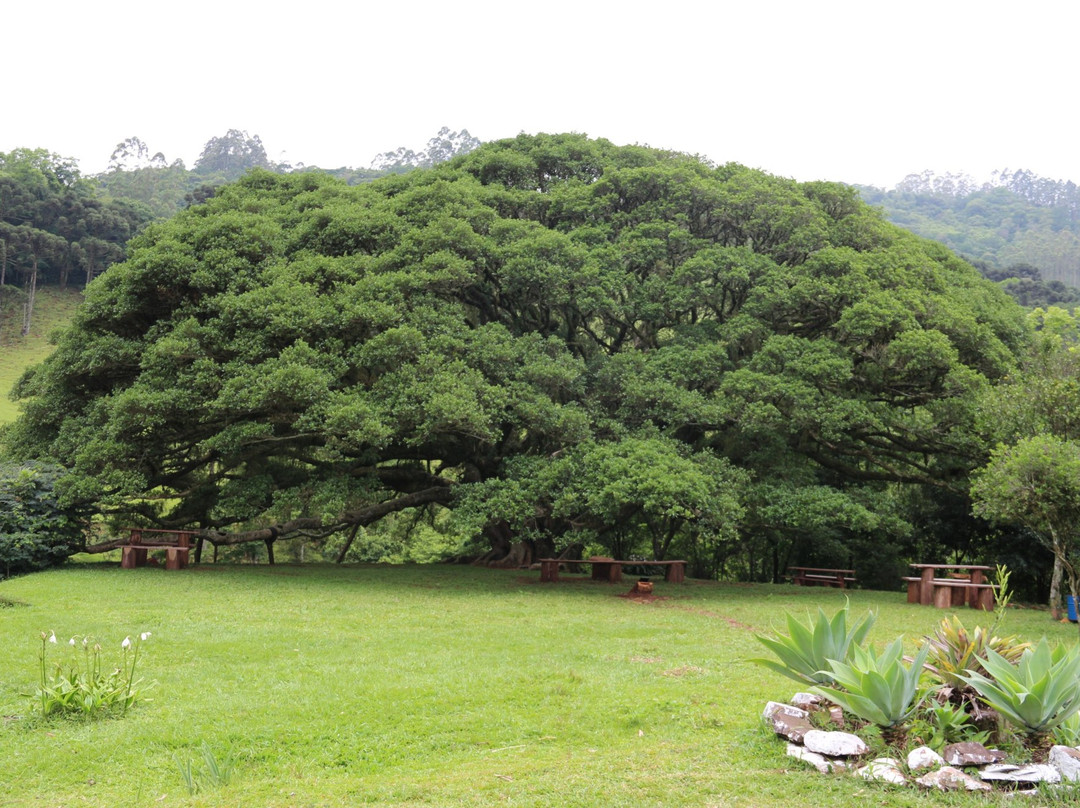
[806, 651]
[878, 688]
[35, 530]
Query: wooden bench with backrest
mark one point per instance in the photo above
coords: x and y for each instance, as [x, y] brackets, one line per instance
[610, 569]
[821, 576]
[175, 543]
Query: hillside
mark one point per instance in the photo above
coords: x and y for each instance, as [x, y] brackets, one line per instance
[1019, 228]
[54, 308]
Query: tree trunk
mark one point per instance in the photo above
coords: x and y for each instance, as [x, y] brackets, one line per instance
[28, 306]
[1055, 585]
[269, 550]
[520, 555]
[499, 536]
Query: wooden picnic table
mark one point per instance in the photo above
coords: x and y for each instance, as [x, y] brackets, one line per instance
[610, 569]
[175, 543]
[821, 576]
[948, 585]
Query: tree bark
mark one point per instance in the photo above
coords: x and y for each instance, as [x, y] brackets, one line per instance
[348, 544]
[1055, 583]
[31, 293]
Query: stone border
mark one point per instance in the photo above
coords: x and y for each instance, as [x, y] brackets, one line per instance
[834, 751]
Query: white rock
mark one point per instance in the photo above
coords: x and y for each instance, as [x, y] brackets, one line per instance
[951, 779]
[776, 708]
[1067, 761]
[806, 701]
[970, 753]
[1028, 773]
[885, 769]
[835, 744]
[924, 758]
[819, 762]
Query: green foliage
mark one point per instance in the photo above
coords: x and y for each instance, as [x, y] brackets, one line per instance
[877, 687]
[1036, 482]
[954, 652]
[938, 725]
[806, 651]
[86, 686]
[1037, 692]
[36, 531]
[1020, 228]
[53, 227]
[310, 355]
[1067, 732]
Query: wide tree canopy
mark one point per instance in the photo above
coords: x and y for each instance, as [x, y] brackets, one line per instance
[560, 338]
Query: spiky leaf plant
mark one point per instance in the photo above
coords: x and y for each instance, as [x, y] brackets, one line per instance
[879, 688]
[1036, 694]
[953, 650]
[804, 653]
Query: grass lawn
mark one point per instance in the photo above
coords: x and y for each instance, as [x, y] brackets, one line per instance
[52, 308]
[437, 685]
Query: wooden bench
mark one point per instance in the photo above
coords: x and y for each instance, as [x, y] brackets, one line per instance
[175, 543]
[610, 569]
[948, 593]
[821, 576]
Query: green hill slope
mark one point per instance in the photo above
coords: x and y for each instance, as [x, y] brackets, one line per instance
[52, 309]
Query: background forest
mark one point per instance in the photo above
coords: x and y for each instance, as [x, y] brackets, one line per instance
[851, 388]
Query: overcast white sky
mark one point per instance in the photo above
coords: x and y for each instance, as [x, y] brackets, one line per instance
[864, 92]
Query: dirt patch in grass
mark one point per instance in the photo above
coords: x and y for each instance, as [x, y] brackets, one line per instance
[685, 670]
[706, 613]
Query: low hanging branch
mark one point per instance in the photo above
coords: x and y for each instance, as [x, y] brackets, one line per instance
[311, 527]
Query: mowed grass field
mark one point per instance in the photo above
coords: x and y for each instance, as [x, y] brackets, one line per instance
[441, 685]
[52, 309]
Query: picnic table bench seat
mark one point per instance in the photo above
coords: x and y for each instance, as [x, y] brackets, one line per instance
[948, 593]
[946, 586]
[821, 576]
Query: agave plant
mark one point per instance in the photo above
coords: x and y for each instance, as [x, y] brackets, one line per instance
[1037, 693]
[1067, 733]
[953, 650]
[939, 725]
[878, 688]
[806, 650]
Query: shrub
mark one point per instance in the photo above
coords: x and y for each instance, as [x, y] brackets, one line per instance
[35, 530]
